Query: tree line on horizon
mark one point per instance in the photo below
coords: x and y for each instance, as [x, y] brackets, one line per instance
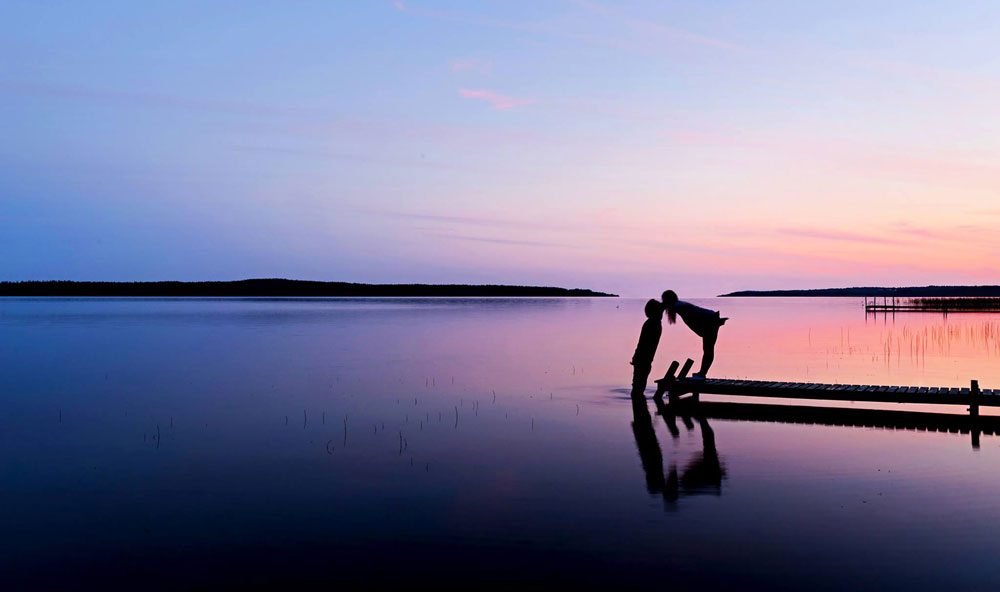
[278, 287]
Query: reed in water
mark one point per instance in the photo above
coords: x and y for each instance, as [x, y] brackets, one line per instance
[958, 303]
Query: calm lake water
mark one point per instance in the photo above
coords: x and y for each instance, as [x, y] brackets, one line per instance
[469, 443]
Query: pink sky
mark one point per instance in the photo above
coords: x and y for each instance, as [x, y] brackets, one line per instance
[624, 146]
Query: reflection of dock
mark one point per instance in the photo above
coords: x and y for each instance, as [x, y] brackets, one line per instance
[868, 418]
[679, 385]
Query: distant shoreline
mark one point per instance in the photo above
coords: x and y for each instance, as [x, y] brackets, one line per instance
[913, 291]
[282, 288]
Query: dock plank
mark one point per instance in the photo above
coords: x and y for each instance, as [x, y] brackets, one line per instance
[836, 391]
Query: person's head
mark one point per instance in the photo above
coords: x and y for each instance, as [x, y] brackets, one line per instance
[654, 310]
[669, 301]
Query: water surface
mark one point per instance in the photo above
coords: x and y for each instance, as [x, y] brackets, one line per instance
[465, 442]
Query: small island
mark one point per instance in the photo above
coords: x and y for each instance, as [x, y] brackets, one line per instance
[857, 292]
[277, 287]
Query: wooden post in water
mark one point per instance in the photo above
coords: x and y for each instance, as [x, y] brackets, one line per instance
[663, 384]
[974, 413]
[674, 395]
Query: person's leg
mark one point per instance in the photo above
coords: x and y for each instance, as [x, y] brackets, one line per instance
[640, 376]
[708, 351]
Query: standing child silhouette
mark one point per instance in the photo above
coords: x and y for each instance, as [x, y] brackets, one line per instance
[704, 322]
[645, 350]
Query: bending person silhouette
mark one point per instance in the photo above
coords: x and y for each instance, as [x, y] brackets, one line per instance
[704, 322]
[645, 350]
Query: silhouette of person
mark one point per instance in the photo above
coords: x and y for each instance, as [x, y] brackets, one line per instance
[645, 350]
[704, 322]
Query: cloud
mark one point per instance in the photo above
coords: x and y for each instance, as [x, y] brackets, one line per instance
[699, 138]
[982, 235]
[498, 101]
[134, 98]
[911, 163]
[626, 42]
[476, 221]
[837, 235]
[658, 29]
[467, 64]
[380, 160]
[502, 241]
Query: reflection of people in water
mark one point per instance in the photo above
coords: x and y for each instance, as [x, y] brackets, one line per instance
[649, 338]
[649, 448]
[702, 475]
[704, 322]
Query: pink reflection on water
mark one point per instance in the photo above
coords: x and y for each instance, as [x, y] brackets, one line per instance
[832, 340]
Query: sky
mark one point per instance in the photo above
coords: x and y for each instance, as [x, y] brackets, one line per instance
[623, 146]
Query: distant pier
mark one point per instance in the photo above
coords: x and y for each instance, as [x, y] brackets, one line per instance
[893, 304]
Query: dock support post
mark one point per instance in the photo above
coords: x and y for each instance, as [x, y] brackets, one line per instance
[685, 368]
[663, 384]
[974, 413]
[674, 394]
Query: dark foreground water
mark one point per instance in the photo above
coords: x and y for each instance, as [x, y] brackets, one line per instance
[148, 444]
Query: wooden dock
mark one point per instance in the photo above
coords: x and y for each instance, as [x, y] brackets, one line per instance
[894, 308]
[890, 304]
[676, 386]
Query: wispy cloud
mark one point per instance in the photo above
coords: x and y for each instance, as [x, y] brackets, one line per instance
[701, 138]
[498, 101]
[475, 221]
[650, 29]
[470, 64]
[926, 165]
[501, 241]
[837, 235]
[136, 98]
[373, 159]
[939, 77]
[984, 235]
[657, 29]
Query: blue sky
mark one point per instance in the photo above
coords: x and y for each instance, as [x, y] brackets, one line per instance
[615, 145]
